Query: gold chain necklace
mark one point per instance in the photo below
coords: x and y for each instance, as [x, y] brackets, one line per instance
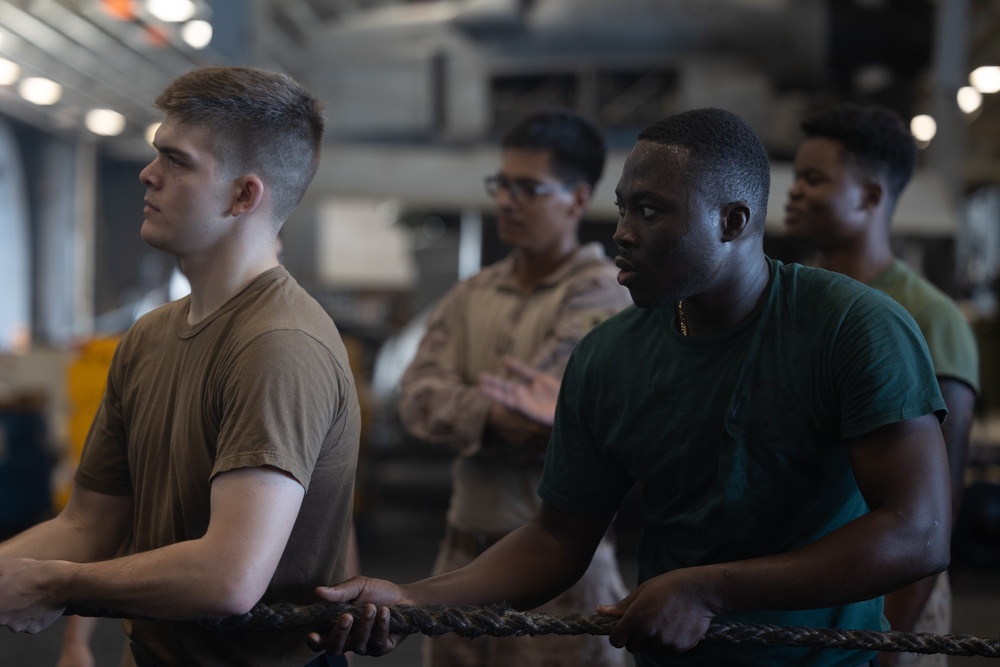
[680, 317]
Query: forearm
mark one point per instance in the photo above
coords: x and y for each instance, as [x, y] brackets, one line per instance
[181, 581]
[527, 568]
[445, 413]
[866, 558]
[60, 538]
[960, 400]
[903, 607]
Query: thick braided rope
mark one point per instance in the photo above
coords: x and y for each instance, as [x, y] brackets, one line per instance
[502, 621]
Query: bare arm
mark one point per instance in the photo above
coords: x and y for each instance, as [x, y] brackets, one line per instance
[528, 567]
[903, 607]
[960, 400]
[92, 526]
[900, 470]
[222, 573]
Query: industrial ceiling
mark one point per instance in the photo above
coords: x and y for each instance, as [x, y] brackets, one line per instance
[455, 71]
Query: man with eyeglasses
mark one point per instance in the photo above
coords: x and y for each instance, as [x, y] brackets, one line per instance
[530, 308]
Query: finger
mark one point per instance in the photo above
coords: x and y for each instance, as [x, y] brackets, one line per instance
[335, 642]
[520, 369]
[379, 643]
[342, 592]
[619, 608]
[620, 634]
[362, 630]
[497, 389]
[610, 610]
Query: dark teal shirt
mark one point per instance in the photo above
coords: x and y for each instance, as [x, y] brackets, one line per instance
[738, 439]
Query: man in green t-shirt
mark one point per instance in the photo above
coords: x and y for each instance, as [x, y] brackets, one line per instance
[783, 421]
[849, 173]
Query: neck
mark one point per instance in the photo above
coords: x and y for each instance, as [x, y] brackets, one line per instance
[715, 311]
[533, 266]
[862, 261]
[217, 277]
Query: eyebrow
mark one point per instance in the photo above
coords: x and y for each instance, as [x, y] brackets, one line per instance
[531, 179]
[641, 194]
[171, 150]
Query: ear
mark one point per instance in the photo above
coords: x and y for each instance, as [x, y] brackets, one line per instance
[872, 194]
[249, 192]
[581, 199]
[735, 220]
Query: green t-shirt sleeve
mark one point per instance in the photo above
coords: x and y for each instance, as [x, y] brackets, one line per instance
[580, 477]
[882, 368]
[951, 343]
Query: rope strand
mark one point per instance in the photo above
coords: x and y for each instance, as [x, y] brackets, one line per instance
[502, 621]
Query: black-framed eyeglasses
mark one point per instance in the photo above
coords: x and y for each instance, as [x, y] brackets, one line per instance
[519, 189]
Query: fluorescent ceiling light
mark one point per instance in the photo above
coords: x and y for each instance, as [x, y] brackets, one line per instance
[9, 71]
[105, 122]
[923, 127]
[986, 79]
[171, 11]
[969, 99]
[197, 34]
[151, 132]
[38, 90]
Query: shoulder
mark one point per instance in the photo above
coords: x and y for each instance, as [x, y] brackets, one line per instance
[928, 304]
[809, 287]
[590, 259]
[616, 331]
[282, 320]
[834, 307]
[945, 328]
[808, 281]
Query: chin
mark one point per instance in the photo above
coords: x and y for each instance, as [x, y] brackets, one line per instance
[647, 302]
[154, 241]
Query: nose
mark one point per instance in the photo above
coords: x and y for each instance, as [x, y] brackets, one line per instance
[795, 191]
[624, 235]
[146, 175]
[503, 199]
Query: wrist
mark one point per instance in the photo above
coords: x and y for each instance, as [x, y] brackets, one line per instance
[56, 581]
[715, 582]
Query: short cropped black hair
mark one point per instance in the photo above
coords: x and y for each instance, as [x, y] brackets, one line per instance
[728, 161]
[874, 139]
[577, 145]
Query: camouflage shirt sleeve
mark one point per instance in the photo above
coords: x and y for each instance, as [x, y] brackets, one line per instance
[592, 296]
[436, 405]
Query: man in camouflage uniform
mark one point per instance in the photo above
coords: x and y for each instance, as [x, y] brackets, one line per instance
[531, 308]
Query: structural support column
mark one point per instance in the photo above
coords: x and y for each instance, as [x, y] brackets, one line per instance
[64, 298]
[949, 72]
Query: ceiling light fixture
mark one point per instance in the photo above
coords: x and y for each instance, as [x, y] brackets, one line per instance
[172, 11]
[197, 34]
[9, 72]
[41, 91]
[969, 99]
[151, 132]
[923, 128]
[986, 79]
[104, 122]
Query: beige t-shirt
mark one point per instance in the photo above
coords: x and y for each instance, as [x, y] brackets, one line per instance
[263, 381]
